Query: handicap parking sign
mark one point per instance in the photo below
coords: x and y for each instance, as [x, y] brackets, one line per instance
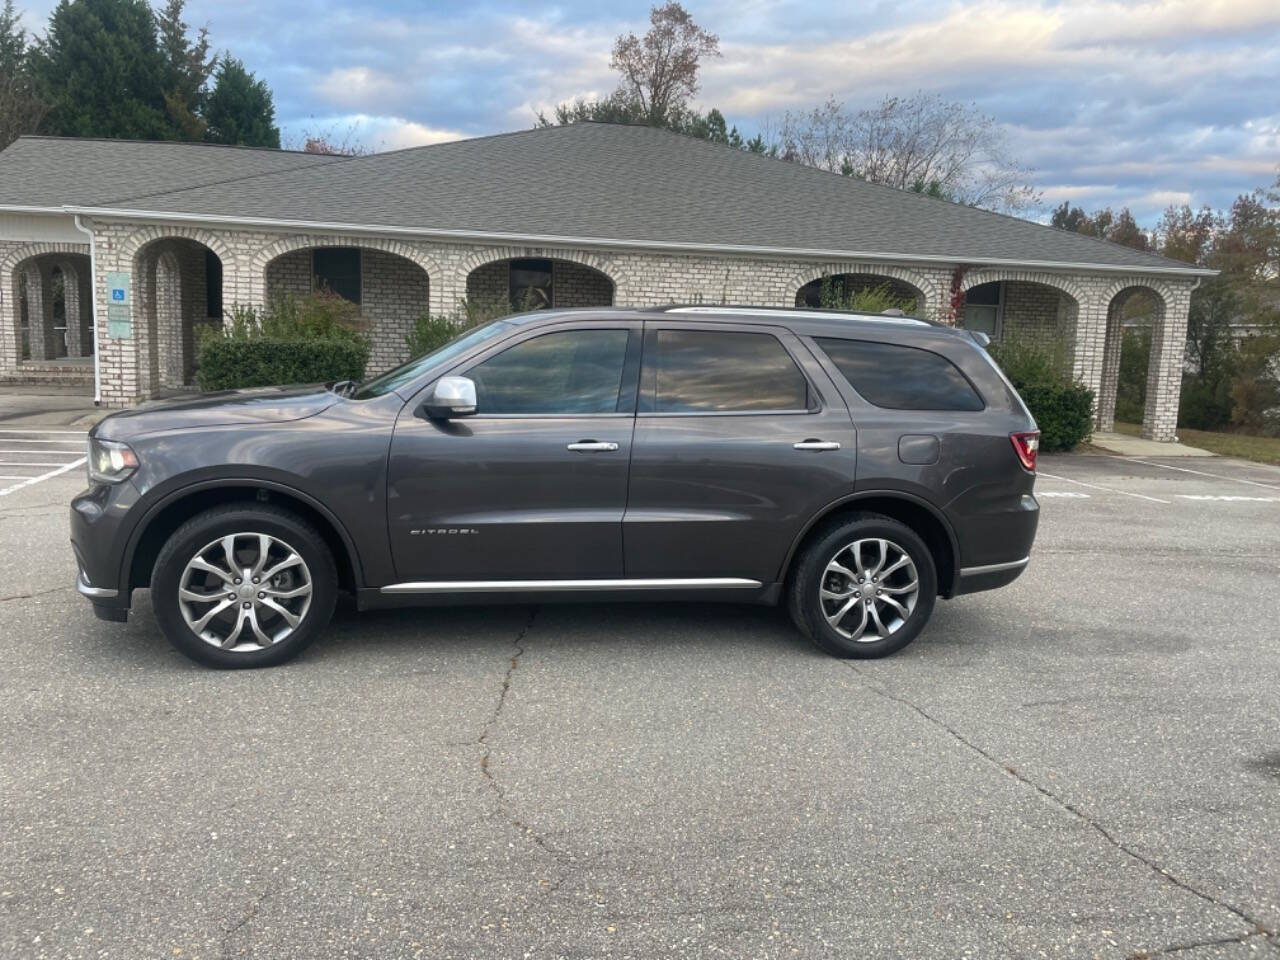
[118, 287]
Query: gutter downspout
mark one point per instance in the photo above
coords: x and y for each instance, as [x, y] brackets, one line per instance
[93, 309]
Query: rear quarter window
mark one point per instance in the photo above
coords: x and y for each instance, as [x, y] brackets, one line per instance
[901, 378]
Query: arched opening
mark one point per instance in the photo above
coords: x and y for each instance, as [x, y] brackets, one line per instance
[1023, 314]
[536, 283]
[391, 291]
[52, 319]
[866, 292]
[1130, 361]
[178, 291]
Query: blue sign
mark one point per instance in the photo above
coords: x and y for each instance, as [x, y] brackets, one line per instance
[117, 294]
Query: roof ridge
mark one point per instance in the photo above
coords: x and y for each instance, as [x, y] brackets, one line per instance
[334, 158]
[884, 186]
[176, 143]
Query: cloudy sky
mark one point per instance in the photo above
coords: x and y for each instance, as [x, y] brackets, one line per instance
[1139, 104]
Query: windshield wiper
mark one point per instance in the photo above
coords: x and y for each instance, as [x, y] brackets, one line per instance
[343, 388]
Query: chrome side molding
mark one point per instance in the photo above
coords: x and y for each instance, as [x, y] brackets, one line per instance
[541, 586]
[994, 567]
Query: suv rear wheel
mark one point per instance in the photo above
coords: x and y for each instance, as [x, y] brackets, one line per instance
[863, 587]
[244, 586]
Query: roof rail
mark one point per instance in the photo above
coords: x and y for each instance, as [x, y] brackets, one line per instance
[823, 313]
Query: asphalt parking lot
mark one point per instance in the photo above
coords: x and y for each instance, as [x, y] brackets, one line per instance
[1085, 764]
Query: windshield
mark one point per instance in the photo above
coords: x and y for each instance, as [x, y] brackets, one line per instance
[398, 377]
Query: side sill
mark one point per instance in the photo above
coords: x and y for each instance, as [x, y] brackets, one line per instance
[553, 586]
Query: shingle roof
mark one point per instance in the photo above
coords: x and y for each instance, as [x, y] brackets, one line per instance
[588, 181]
[61, 171]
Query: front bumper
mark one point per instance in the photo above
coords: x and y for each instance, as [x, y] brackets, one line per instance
[99, 535]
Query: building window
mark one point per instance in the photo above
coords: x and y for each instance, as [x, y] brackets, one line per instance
[337, 269]
[531, 285]
[212, 285]
[984, 308]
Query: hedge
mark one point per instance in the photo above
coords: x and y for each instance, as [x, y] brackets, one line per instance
[1063, 412]
[227, 364]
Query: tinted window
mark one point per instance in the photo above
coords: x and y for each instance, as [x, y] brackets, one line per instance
[337, 269]
[407, 372]
[577, 371]
[901, 378]
[531, 285]
[708, 371]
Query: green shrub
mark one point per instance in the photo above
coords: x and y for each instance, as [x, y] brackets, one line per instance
[431, 333]
[1063, 412]
[292, 339]
[234, 364]
[1204, 406]
[1063, 409]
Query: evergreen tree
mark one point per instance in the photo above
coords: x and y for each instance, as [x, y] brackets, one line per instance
[188, 67]
[240, 108]
[20, 109]
[102, 72]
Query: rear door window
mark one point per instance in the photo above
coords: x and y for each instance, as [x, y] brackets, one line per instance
[720, 371]
[901, 378]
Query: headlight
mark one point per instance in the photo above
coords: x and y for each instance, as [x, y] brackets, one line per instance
[110, 461]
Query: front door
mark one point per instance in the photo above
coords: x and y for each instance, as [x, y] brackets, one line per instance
[533, 487]
[740, 438]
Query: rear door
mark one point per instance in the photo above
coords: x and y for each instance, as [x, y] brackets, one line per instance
[740, 438]
[533, 486]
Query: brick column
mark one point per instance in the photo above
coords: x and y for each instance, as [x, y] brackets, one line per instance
[1090, 339]
[1164, 375]
[40, 335]
[71, 304]
[1105, 418]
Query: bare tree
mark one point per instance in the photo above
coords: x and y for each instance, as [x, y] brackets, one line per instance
[660, 70]
[924, 143]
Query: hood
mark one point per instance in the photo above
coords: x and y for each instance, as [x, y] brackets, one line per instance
[227, 407]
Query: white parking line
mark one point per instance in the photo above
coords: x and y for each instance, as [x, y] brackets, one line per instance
[1065, 494]
[1096, 486]
[46, 433]
[29, 481]
[64, 443]
[1199, 473]
[29, 463]
[1219, 498]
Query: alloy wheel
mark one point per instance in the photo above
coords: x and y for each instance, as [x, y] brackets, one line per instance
[869, 590]
[245, 592]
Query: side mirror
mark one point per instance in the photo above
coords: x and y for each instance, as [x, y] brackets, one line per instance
[451, 397]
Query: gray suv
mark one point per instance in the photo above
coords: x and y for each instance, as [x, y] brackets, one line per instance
[854, 467]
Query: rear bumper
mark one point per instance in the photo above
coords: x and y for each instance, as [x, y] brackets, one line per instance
[989, 576]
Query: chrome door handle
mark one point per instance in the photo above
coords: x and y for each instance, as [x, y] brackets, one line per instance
[816, 445]
[592, 446]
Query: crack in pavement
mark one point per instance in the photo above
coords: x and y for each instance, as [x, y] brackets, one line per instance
[32, 596]
[482, 741]
[1202, 944]
[248, 915]
[1258, 928]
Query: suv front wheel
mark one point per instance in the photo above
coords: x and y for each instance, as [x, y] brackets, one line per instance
[864, 587]
[244, 586]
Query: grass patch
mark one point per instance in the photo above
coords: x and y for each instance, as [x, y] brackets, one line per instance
[1239, 445]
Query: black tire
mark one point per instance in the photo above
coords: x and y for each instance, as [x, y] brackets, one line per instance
[810, 568]
[200, 531]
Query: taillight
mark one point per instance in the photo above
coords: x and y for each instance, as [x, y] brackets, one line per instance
[1026, 446]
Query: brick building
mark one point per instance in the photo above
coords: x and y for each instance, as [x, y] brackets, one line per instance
[113, 253]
